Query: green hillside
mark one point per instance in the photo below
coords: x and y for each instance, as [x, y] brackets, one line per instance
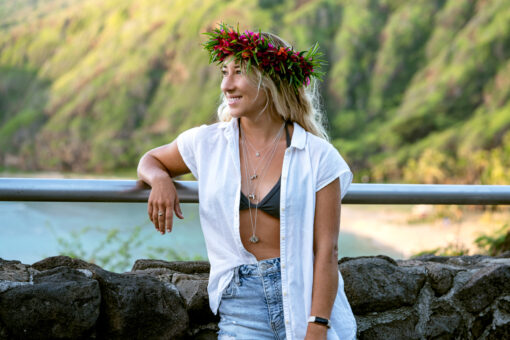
[416, 91]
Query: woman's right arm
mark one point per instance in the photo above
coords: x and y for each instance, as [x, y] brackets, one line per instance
[157, 168]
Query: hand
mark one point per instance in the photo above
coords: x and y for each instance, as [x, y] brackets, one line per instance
[316, 332]
[163, 203]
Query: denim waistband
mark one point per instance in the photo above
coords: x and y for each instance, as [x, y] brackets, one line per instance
[260, 268]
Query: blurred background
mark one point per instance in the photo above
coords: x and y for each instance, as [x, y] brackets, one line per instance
[415, 92]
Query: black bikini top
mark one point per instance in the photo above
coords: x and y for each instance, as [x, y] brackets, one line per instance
[270, 204]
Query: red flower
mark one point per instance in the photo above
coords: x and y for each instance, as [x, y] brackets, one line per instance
[282, 51]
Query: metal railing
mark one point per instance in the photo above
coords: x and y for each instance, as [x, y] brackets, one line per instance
[85, 190]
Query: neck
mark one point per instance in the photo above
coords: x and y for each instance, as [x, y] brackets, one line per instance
[262, 130]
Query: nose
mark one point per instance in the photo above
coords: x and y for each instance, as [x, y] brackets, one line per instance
[227, 84]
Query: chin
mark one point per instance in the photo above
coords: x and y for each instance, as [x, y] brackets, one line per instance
[236, 114]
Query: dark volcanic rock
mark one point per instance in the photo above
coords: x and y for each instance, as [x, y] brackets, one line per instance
[444, 323]
[138, 306]
[464, 297]
[59, 261]
[185, 267]
[382, 257]
[484, 286]
[375, 284]
[467, 260]
[441, 277]
[61, 304]
[3, 332]
[504, 304]
[13, 271]
[133, 305]
[432, 258]
[499, 332]
[194, 291]
[395, 329]
[480, 324]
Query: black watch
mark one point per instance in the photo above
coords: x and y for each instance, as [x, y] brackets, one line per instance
[320, 321]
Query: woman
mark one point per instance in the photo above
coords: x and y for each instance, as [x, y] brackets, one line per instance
[270, 187]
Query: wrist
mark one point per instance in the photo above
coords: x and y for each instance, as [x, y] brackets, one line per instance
[319, 321]
[316, 331]
[161, 177]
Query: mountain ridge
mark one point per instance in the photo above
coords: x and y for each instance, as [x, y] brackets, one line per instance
[416, 91]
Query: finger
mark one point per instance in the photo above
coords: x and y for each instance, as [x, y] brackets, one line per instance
[168, 219]
[161, 219]
[149, 211]
[177, 209]
[152, 215]
[155, 219]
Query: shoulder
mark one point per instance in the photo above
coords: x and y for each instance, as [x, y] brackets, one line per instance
[320, 147]
[204, 132]
[324, 155]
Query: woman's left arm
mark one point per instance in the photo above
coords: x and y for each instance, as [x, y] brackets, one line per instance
[325, 247]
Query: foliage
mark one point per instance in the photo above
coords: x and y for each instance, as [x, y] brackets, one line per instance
[415, 90]
[491, 244]
[114, 249]
[496, 243]
[452, 249]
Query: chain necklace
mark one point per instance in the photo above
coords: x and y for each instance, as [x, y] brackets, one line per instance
[257, 153]
[254, 174]
[252, 194]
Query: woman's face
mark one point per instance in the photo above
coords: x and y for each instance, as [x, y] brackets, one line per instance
[243, 97]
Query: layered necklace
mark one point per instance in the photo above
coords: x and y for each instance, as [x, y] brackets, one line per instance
[253, 179]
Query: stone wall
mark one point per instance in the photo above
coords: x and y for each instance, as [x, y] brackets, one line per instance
[465, 297]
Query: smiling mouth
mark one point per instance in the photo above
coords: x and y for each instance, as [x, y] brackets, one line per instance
[233, 100]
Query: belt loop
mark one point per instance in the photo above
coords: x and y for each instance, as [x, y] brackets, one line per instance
[236, 275]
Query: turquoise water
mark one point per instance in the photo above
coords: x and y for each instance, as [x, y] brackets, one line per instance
[31, 231]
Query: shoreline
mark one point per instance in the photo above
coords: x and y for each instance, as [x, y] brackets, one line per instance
[389, 226]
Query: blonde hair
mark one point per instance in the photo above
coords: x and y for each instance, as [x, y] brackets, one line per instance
[303, 107]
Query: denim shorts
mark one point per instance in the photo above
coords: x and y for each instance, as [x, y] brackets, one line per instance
[251, 306]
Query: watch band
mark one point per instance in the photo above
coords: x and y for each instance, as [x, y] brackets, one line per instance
[319, 320]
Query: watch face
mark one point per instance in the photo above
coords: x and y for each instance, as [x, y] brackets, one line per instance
[319, 320]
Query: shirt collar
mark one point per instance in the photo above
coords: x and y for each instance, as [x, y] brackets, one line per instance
[298, 141]
[298, 137]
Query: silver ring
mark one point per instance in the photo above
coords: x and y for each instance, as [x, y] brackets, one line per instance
[160, 213]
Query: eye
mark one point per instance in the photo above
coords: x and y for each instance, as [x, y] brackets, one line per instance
[224, 73]
[239, 71]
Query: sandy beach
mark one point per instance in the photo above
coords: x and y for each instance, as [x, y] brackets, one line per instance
[412, 229]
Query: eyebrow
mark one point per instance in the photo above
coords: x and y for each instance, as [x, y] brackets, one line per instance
[225, 66]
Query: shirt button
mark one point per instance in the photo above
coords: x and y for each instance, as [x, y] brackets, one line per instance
[283, 238]
[283, 265]
[284, 293]
[283, 209]
[287, 322]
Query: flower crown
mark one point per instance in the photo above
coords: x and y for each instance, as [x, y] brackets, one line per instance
[253, 49]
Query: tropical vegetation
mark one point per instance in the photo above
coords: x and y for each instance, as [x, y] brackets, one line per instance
[416, 91]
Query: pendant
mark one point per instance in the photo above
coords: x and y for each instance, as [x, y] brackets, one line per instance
[254, 177]
[257, 154]
[251, 196]
[254, 239]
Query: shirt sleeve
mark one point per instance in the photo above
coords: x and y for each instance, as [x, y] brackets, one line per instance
[331, 167]
[186, 143]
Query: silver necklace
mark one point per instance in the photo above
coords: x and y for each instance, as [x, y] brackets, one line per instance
[252, 194]
[257, 153]
[254, 174]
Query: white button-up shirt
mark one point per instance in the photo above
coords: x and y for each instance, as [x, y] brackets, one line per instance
[211, 152]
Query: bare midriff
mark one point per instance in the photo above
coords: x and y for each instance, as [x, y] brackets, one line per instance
[268, 232]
